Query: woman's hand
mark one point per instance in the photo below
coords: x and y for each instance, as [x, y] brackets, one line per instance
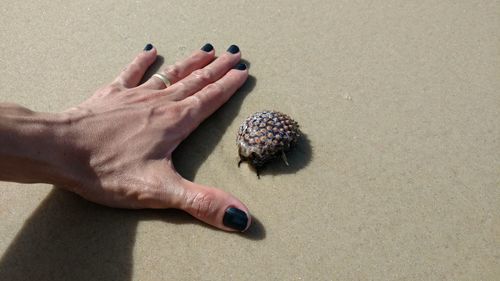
[124, 135]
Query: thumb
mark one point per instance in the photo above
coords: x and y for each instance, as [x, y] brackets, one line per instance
[214, 206]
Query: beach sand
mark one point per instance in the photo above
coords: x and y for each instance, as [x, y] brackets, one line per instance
[397, 176]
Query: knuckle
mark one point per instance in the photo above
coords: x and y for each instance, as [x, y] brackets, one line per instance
[112, 88]
[187, 117]
[204, 75]
[215, 88]
[182, 115]
[195, 102]
[180, 88]
[202, 204]
[174, 112]
[173, 71]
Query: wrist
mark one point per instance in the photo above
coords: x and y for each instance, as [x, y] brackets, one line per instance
[37, 148]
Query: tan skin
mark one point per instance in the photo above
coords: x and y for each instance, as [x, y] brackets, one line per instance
[116, 147]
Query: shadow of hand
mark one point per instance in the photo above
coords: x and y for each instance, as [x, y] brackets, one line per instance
[69, 238]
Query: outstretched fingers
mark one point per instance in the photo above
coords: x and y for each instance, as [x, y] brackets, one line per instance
[200, 78]
[205, 102]
[183, 68]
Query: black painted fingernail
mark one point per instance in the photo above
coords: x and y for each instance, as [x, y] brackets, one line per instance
[233, 49]
[207, 48]
[148, 47]
[240, 66]
[235, 219]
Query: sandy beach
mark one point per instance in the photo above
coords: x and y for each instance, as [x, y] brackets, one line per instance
[397, 175]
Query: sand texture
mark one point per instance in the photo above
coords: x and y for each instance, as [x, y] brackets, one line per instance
[396, 178]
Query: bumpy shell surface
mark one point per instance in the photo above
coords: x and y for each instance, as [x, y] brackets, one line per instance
[266, 135]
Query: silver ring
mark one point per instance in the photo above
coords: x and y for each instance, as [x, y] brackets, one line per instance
[163, 78]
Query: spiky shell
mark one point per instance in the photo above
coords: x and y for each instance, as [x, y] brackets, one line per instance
[266, 135]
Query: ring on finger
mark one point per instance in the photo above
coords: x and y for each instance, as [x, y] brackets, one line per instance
[163, 78]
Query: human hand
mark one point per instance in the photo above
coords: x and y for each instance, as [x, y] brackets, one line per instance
[124, 136]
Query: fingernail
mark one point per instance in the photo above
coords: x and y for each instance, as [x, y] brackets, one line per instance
[233, 49]
[240, 66]
[207, 48]
[235, 219]
[148, 47]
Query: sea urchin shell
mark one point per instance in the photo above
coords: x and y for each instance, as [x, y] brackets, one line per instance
[266, 135]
